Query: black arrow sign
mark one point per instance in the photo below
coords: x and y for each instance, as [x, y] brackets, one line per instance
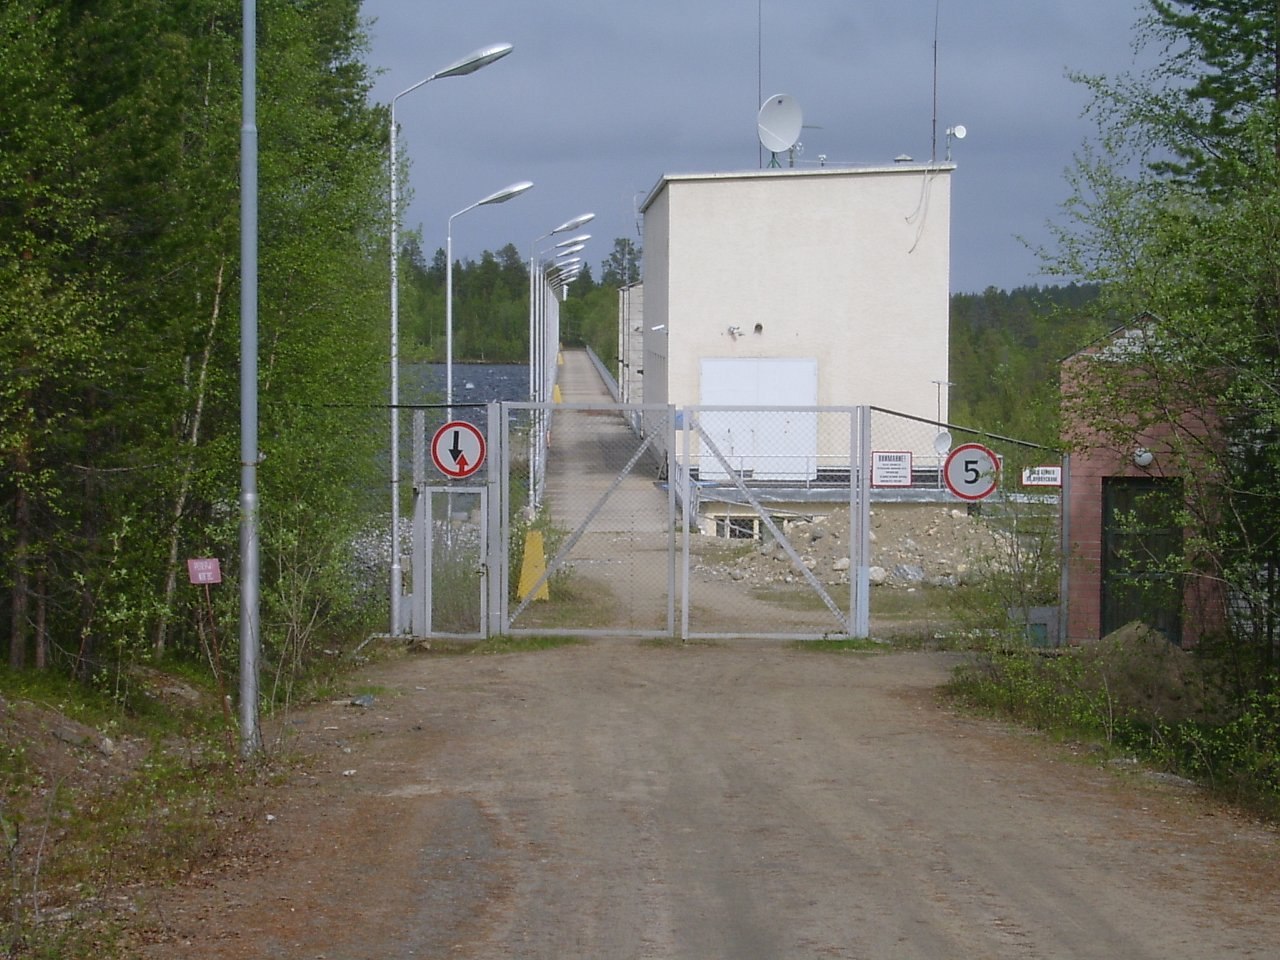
[456, 451]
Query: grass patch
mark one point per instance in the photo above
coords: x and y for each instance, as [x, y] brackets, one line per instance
[841, 645]
[1122, 707]
[499, 645]
[127, 781]
[721, 549]
[922, 603]
[575, 603]
[801, 597]
[675, 643]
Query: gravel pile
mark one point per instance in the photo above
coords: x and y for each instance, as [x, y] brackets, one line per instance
[911, 544]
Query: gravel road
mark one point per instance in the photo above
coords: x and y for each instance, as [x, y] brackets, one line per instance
[743, 800]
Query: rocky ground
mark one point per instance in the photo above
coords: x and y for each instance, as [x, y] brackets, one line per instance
[911, 544]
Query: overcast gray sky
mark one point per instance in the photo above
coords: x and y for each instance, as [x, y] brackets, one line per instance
[601, 98]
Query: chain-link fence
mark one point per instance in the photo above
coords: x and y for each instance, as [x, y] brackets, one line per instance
[698, 522]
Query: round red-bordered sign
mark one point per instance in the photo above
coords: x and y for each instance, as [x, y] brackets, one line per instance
[457, 449]
[972, 471]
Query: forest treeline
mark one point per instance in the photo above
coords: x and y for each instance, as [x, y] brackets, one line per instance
[1005, 345]
[120, 321]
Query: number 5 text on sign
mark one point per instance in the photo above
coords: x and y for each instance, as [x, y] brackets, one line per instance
[972, 471]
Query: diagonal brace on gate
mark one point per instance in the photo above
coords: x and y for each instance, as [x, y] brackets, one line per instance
[569, 544]
[778, 536]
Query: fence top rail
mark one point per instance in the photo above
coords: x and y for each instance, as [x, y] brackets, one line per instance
[686, 408]
[973, 430]
[596, 405]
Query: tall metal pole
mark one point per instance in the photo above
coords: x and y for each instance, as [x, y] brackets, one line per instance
[448, 315]
[396, 572]
[250, 735]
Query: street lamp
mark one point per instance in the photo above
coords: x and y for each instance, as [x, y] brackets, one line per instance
[535, 353]
[501, 196]
[468, 64]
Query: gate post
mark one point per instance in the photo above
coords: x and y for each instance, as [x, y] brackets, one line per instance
[498, 483]
[860, 522]
[420, 562]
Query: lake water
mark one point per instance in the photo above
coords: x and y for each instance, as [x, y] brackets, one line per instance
[472, 382]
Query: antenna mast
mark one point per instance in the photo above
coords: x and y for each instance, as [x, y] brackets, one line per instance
[933, 149]
[759, 70]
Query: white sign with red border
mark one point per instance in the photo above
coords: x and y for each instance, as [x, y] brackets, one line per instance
[891, 468]
[1042, 476]
[972, 471]
[457, 449]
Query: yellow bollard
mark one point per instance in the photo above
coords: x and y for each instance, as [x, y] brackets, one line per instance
[533, 567]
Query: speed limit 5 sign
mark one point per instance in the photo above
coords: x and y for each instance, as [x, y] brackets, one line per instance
[972, 471]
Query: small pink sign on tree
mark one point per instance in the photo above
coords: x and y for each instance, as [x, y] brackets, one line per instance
[204, 570]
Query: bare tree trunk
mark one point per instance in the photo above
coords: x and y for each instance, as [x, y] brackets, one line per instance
[42, 617]
[21, 574]
[184, 484]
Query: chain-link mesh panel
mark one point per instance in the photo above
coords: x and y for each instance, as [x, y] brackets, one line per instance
[457, 566]
[770, 532]
[590, 529]
[954, 509]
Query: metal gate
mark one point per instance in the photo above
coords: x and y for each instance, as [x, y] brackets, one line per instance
[775, 516]
[624, 520]
[588, 538]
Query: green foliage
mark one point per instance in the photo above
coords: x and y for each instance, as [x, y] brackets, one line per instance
[590, 318]
[1017, 571]
[119, 410]
[1067, 696]
[1176, 209]
[1006, 347]
[623, 265]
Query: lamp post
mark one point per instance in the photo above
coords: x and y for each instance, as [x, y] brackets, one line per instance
[501, 196]
[250, 612]
[535, 355]
[468, 64]
[538, 289]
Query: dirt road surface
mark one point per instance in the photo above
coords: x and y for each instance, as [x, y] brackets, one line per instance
[744, 800]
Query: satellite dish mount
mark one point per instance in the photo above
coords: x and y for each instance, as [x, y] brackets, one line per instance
[778, 125]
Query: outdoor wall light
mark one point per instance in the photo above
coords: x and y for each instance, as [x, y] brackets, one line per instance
[1143, 457]
[735, 331]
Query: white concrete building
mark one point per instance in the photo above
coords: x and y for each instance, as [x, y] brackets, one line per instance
[631, 343]
[824, 287]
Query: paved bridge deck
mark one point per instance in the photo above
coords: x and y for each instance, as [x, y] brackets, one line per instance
[589, 450]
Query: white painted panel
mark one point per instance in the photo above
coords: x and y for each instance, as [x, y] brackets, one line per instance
[767, 444]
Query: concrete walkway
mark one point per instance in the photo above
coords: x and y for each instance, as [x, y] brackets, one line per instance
[589, 449]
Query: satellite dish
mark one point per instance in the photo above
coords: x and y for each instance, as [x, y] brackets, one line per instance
[779, 123]
[942, 443]
[959, 132]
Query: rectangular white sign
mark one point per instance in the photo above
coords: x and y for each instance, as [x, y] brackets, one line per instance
[891, 468]
[1042, 476]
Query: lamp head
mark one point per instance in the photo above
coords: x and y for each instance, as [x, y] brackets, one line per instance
[575, 223]
[506, 193]
[474, 61]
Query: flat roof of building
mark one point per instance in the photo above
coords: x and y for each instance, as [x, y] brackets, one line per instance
[775, 172]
